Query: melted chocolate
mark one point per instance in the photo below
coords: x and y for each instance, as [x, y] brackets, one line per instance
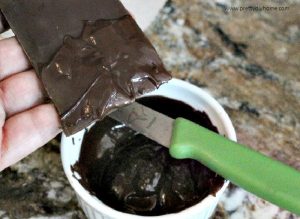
[134, 174]
[90, 55]
[109, 66]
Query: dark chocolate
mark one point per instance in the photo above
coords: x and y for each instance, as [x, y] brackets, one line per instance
[41, 25]
[134, 174]
[90, 55]
[109, 66]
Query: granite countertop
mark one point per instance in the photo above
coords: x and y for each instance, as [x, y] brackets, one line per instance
[246, 57]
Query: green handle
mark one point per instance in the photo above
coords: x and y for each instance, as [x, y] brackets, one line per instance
[256, 173]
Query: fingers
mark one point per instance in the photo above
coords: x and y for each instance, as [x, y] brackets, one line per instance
[26, 132]
[12, 58]
[21, 92]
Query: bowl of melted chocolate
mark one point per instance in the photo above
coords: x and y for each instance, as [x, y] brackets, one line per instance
[119, 173]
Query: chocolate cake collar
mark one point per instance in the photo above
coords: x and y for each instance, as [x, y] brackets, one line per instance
[110, 65]
[91, 56]
[42, 25]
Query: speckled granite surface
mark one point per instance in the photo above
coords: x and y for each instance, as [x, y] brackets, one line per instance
[248, 59]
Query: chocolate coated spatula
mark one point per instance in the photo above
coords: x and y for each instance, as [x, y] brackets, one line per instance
[258, 174]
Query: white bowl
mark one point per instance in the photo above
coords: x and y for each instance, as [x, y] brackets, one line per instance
[175, 89]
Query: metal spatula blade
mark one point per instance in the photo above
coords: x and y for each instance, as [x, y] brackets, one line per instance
[150, 123]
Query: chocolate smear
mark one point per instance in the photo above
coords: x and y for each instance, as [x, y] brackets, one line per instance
[90, 55]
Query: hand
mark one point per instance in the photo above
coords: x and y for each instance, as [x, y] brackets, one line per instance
[26, 122]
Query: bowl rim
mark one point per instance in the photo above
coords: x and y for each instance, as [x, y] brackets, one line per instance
[100, 207]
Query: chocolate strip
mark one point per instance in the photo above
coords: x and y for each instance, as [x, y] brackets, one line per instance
[41, 25]
[91, 56]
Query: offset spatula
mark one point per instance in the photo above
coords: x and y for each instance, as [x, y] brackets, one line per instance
[256, 173]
